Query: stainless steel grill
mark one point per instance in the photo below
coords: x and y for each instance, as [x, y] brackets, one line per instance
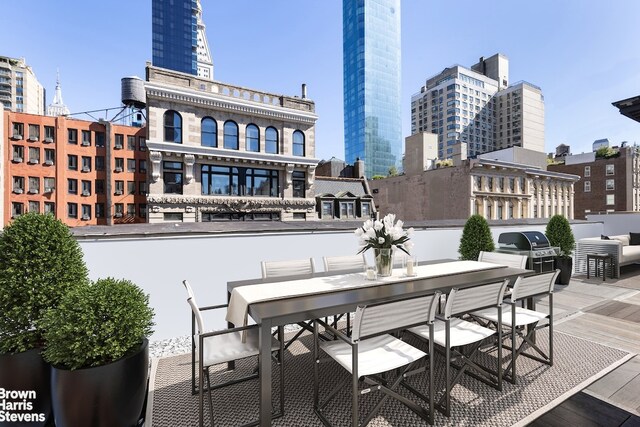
[533, 244]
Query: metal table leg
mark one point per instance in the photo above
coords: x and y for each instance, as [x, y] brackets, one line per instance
[264, 364]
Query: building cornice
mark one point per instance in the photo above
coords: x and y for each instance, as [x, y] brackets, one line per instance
[231, 104]
[232, 203]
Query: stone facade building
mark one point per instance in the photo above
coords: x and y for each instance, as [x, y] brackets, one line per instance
[20, 90]
[224, 152]
[608, 184]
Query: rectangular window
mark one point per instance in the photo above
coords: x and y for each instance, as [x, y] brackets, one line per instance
[86, 212]
[512, 185]
[610, 169]
[131, 209]
[611, 184]
[327, 209]
[172, 177]
[119, 210]
[72, 136]
[99, 139]
[72, 162]
[131, 187]
[49, 156]
[347, 210]
[86, 188]
[18, 153]
[18, 184]
[131, 165]
[298, 179]
[18, 130]
[86, 137]
[34, 155]
[119, 189]
[119, 164]
[142, 166]
[611, 199]
[99, 208]
[72, 186]
[587, 171]
[86, 164]
[142, 210]
[48, 133]
[142, 144]
[72, 210]
[99, 163]
[142, 187]
[17, 209]
[131, 142]
[49, 184]
[34, 132]
[118, 143]
[50, 208]
[99, 186]
[172, 217]
[365, 209]
[34, 185]
[587, 186]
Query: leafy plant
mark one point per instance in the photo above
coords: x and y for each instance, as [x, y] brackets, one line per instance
[97, 324]
[559, 234]
[39, 262]
[378, 177]
[476, 237]
[393, 171]
[606, 153]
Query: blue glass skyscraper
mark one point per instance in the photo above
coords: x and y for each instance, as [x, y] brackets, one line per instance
[371, 53]
[174, 34]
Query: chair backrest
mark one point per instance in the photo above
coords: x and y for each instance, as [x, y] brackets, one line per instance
[187, 286]
[510, 260]
[534, 285]
[374, 319]
[464, 300]
[196, 312]
[344, 263]
[287, 268]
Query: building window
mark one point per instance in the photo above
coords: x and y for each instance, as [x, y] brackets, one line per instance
[99, 207]
[587, 171]
[72, 186]
[72, 162]
[610, 169]
[365, 209]
[131, 142]
[172, 127]
[142, 210]
[48, 133]
[172, 176]
[86, 188]
[99, 163]
[327, 209]
[119, 188]
[131, 209]
[611, 184]
[49, 156]
[131, 187]
[49, 184]
[86, 164]
[131, 165]
[347, 210]
[100, 139]
[489, 183]
[252, 137]
[18, 130]
[298, 143]
[142, 187]
[142, 144]
[587, 186]
[119, 210]
[34, 185]
[209, 132]
[50, 208]
[72, 210]
[230, 135]
[172, 217]
[142, 166]
[34, 206]
[18, 153]
[489, 213]
[271, 140]
[86, 137]
[297, 179]
[611, 199]
[512, 185]
[17, 209]
[72, 136]
[119, 142]
[34, 155]
[86, 212]
[99, 186]
[34, 132]
[119, 164]
[231, 181]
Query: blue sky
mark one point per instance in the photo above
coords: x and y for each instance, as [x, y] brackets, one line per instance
[583, 53]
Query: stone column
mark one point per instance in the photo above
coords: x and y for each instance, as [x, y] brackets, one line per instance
[571, 197]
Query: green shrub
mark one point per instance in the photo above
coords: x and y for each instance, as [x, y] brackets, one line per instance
[476, 237]
[39, 262]
[559, 234]
[97, 324]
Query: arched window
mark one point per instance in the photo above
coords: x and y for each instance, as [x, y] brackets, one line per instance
[172, 127]
[271, 140]
[298, 143]
[230, 135]
[253, 138]
[209, 132]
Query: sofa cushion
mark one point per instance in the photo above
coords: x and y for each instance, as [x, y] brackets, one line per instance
[622, 238]
[630, 254]
[634, 239]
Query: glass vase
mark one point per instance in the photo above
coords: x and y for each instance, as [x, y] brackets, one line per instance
[384, 261]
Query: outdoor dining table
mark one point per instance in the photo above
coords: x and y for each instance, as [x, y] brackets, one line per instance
[286, 310]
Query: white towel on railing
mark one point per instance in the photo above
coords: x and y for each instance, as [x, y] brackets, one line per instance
[243, 296]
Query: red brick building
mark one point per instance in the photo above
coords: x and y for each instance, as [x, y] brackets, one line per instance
[84, 172]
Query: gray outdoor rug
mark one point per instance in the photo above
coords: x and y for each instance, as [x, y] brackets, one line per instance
[576, 363]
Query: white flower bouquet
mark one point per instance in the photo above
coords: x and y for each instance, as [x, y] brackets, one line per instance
[383, 236]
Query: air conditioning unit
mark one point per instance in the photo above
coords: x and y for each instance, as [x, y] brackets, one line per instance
[18, 190]
[118, 169]
[86, 193]
[118, 193]
[33, 138]
[16, 136]
[118, 146]
[33, 191]
[48, 189]
[48, 140]
[85, 143]
[34, 161]
[86, 169]
[17, 159]
[117, 215]
[86, 217]
[48, 162]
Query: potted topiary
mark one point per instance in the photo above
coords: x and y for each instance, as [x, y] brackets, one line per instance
[476, 237]
[39, 262]
[560, 235]
[97, 346]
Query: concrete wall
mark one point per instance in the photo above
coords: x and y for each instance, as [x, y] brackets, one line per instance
[159, 265]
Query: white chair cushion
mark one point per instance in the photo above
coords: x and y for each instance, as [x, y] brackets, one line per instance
[375, 355]
[624, 238]
[228, 347]
[462, 332]
[524, 316]
[630, 253]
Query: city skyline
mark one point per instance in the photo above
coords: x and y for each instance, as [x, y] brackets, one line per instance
[580, 55]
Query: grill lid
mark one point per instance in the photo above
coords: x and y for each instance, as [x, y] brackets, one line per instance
[523, 240]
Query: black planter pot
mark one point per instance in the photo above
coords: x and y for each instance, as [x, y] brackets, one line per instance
[27, 371]
[103, 396]
[566, 267]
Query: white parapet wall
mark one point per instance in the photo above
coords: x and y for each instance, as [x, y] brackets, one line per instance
[159, 264]
[617, 223]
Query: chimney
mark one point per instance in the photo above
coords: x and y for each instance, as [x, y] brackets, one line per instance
[304, 90]
[358, 168]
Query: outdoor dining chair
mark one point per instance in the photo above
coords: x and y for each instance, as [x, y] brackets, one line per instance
[510, 260]
[347, 263]
[523, 322]
[372, 350]
[460, 340]
[223, 346]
